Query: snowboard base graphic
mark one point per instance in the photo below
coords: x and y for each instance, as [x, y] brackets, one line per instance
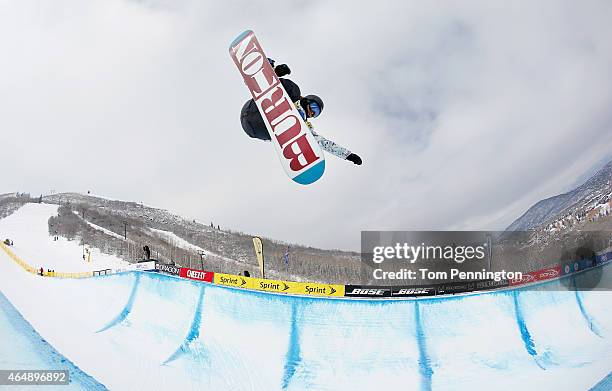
[300, 155]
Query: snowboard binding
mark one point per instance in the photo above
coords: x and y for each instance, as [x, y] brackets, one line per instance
[281, 69]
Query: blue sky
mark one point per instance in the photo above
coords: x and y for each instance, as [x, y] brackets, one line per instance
[465, 113]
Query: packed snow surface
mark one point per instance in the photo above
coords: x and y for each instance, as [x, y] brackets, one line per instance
[142, 331]
[29, 230]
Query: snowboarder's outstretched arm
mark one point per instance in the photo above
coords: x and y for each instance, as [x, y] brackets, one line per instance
[336, 149]
[331, 146]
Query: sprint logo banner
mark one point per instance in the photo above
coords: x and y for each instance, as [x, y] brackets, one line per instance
[234, 280]
[278, 286]
[330, 290]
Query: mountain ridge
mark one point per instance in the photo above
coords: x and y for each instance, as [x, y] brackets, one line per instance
[596, 190]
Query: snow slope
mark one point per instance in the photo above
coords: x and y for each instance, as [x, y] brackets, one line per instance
[23, 348]
[145, 331]
[101, 229]
[178, 241]
[28, 229]
[149, 331]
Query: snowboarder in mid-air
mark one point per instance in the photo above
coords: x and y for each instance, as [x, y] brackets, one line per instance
[310, 106]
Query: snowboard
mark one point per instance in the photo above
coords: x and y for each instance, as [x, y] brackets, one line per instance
[299, 153]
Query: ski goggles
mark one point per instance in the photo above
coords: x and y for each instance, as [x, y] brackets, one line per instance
[314, 107]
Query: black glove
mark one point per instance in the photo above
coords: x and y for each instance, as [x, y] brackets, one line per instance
[354, 158]
[282, 70]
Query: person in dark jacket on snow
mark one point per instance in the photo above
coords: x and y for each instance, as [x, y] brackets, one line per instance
[312, 105]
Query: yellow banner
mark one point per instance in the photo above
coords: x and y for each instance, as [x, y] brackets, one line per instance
[233, 280]
[278, 286]
[260, 255]
[314, 289]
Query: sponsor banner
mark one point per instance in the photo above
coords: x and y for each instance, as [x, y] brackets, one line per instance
[198, 275]
[168, 269]
[490, 284]
[142, 266]
[547, 274]
[149, 265]
[413, 291]
[538, 275]
[330, 290]
[457, 287]
[366, 291]
[278, 286]
[576, 266]
[567, 268]
[233, 280]
[526, 279]
[603, 258]
[120, 270]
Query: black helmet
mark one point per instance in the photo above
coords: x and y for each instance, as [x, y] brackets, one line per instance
[316, 99]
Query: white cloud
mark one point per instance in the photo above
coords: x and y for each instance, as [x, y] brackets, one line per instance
[464, 113]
